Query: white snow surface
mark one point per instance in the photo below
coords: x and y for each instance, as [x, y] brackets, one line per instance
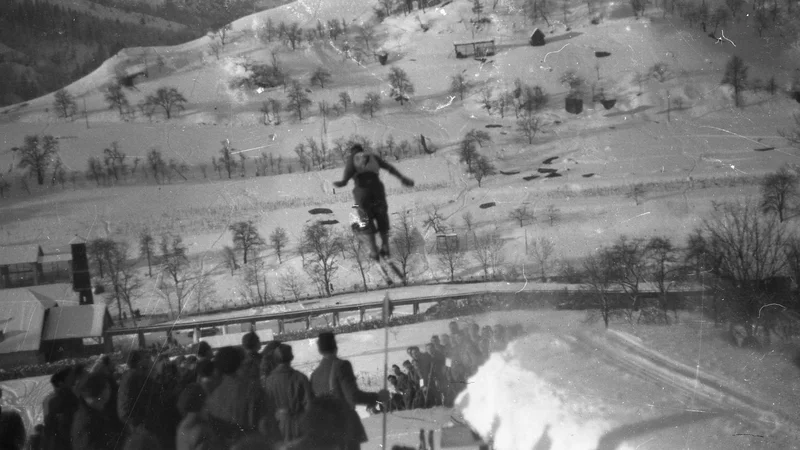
[518, 409]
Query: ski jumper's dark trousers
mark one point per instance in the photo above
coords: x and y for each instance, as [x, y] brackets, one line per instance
[371, 198]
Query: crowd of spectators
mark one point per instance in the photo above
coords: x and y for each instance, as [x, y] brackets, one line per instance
[436, 375]
[238, 398]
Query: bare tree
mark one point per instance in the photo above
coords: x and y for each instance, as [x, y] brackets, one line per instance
[290, 282]
[482, 168]
[542, 249]
[37, 154]
[215, 48]
[4, 186]
[401, 86]
[366, 34]
[122, 276]
[255, 282]
[599, 271]
[147, 248]
[320, 76]
[357, 248]
[778, 190]
[246, 238]
[221, 33]
[406, 242]
[479, 137]
[736, 77]
[64, 104]
[344, 100]
[529, 126]
[450, 258]
[521, 214]
[746, 248]
[435, 219]
[229, 259]
[371, 104]
[174, 265]
[116, 99]
[95, 170]
[664, 270]
[486, 99]
[169, 99]
[553, 214]
[459, 85]
[486, 250]
[630, 269]
[323, 247]
[469, 220]
[298, 100]
[294, 34]
[279, 239]
[156, 164]
[227, 159]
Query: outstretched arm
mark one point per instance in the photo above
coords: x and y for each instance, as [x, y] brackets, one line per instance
[349, 171]
[392, 170]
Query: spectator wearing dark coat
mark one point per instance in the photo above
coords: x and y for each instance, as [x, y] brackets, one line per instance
[136, 400]
[12, 430]
[208, 377]
[204, 351]
[334, 377]
[105, 366]
[194, 432]
[268, 360]
[404, 387]
[59, 408]
[323, 425]
[289, 394]
[251, 364]
[92, 428]
[237, 405]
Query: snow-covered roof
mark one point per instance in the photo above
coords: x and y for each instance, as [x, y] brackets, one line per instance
[21, 319]
[19, 254]
[60, 293]
[74, 322]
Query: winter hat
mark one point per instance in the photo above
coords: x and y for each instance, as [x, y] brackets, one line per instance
[191, 399]
[228, 359]
[326, 342]
[283, 354]
[251, 342]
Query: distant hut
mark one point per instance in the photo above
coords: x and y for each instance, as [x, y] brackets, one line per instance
[537, 38]
[477, 49]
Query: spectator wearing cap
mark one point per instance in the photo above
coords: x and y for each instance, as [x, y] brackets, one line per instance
[289, 394]
[59, 408]
[250, 368]
[334, 377]
[236, 406]
[194, 433]
[92, 428]
[404, 387]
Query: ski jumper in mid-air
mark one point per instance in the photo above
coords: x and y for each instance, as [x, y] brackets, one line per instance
[369, 194]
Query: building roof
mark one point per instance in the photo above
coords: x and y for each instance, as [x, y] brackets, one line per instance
[19, 254]
[75, 322]
[55, 258]
[21, 319]
[484, 41]
[56, 253]
[57, 293]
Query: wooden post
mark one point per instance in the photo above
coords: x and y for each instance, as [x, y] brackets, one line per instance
[253, 326]
[140, 336]
[85, 113]
[335, 319]
[361, 312]
[196, 335]
[308, 322]
[415, 305]
[281, 326]
[224, 330]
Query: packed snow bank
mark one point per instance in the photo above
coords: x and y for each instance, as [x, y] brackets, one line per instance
[516, 408]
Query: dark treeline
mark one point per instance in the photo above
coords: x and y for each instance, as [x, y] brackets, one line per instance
[55, 45]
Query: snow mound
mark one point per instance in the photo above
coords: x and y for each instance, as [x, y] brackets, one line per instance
[517, 409]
